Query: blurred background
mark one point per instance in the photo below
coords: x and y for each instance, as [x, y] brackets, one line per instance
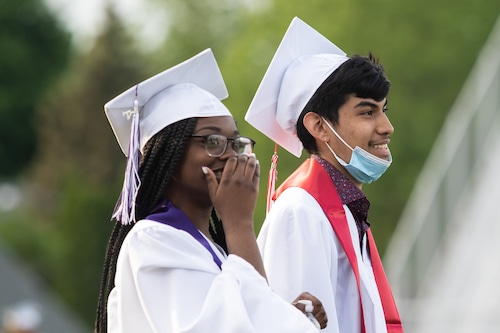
[433, 212]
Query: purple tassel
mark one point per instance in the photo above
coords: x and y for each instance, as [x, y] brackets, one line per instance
[125, 207]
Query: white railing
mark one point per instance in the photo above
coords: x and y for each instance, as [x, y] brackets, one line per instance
[446, 178]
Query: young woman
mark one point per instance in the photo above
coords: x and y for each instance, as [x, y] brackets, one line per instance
[191, 262]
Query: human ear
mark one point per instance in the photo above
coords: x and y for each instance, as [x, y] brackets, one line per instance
[315, 125]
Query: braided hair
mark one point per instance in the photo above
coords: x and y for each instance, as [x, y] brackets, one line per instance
[162, 155]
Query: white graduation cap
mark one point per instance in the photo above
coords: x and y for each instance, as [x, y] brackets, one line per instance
[199, 87]
[192, 88]
[303, 60]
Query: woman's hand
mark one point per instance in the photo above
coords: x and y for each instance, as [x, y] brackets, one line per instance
[235, 195]
[234, 198]
[318, 310]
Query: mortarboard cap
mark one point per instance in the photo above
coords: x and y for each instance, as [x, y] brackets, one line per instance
[303, 60]
[192, 88]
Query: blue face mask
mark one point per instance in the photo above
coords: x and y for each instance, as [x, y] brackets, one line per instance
[363, 166]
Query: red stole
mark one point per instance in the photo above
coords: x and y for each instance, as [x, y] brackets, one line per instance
[322, 189]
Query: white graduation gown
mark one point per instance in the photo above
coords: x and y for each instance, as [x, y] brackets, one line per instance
[166, 281]
[302, 252]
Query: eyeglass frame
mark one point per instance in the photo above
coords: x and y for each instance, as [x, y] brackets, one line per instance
[205, 137]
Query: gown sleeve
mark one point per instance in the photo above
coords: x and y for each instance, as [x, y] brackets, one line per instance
[299, 251]
[167, 282]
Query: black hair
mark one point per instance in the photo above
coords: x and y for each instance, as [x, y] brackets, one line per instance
[362, 76]
[162, 156]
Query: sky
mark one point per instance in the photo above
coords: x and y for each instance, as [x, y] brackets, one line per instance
[84, 19]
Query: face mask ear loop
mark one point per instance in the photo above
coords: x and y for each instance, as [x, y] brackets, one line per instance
[336, 134]
[341, 161]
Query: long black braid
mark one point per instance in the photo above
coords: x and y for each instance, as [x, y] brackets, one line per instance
[217, 231]
[162, 155]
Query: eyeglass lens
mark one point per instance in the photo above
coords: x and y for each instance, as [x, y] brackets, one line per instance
[216, 145]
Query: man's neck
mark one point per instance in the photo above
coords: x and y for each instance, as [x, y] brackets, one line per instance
[327, 156]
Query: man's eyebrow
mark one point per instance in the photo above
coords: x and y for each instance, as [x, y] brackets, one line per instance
[365, 103]
[368, 103]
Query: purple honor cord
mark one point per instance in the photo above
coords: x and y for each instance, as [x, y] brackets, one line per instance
[168, 214]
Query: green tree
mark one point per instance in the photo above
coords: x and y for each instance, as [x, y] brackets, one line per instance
[194, 26]
[427, 49]
[80, 164]
[35, 49]
[79, 167]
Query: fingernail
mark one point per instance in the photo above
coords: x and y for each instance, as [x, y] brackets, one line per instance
[308, 303]
[252, 155]
[204, 169]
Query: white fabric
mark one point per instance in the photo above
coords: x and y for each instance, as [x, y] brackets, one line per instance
[192, 88]
[311, 71]
[205, 87]
[181, 101]
[302, 252]
[303, 60]
[166, 281]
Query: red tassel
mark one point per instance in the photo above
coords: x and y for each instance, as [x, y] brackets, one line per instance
[271, 181]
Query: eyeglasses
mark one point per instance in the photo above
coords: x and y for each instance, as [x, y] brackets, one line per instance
[216, 144]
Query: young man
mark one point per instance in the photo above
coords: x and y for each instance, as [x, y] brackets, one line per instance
[316, 237]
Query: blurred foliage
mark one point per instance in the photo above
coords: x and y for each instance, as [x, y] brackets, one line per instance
[194, 26]
[66, 248]
[34, 51]
[76, 174]
[72, 127]
[427, 49]
[79, 145]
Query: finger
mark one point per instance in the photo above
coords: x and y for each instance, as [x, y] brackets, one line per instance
[308, 310]
[303, 295]
[323, 322]
[322, 319]
[251, 165]
[300, 306]
[256, 175]
[319, 308]
[211, 181]
[242, 163]
[320, 313]
[229, 169]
